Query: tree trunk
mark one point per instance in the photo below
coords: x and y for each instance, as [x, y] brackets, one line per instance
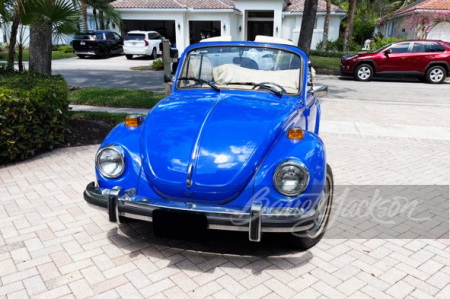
[94, 12]
[20, 57]
[350, 20]
[41, 46]
[13, 40]
[101, 20]
[307, 29]
[325, 26]
[84, 12]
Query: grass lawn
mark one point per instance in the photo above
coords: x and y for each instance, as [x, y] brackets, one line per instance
[117, 118]
[113, 97]
[26, 55]
[330, 64]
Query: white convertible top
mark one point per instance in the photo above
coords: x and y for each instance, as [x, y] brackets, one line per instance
[258, 38]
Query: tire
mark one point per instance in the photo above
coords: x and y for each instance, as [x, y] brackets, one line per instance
[81, 56]
[153, 56]
[436, 74]
[307, 239]
[129, 56]
[363, 72]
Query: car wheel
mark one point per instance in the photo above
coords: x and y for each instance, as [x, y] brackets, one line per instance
[81, 56]
[309, 238]
[128, 56]
[153, 54]
[436, 74]
[363, 72]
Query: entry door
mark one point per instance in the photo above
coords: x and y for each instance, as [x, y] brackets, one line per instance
[259, 28]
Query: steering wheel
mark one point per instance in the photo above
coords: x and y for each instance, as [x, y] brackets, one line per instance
[259, 85]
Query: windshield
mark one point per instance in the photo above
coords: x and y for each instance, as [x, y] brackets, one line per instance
[382, 48]
[92, 36]
[135, 37]
[239, 67]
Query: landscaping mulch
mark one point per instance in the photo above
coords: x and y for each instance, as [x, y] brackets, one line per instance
[86, 132]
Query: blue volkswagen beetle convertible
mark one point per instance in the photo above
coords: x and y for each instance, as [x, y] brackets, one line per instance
[235, 146]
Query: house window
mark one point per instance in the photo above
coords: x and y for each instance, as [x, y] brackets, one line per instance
[315, 23]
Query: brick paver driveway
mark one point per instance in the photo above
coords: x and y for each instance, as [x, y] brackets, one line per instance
[53, 244]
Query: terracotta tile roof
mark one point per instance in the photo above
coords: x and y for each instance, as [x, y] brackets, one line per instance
[295, 6]
[197, 4]
[425, 5]
[298, 5]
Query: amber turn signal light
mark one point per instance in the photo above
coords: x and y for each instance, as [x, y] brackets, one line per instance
[133, 120]
[295, 133]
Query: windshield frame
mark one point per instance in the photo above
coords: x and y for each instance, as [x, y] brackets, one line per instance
[279, 47]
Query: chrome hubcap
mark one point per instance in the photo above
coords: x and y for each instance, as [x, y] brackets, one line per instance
[323, 210]
[436, 75]
[364, 73]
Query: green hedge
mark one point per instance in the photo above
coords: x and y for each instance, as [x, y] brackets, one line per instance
[33, 114]
[336, 54]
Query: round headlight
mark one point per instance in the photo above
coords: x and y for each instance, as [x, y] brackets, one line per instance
[291, 178]
[110, 161]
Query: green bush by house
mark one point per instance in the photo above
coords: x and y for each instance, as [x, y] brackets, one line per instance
[33, 114]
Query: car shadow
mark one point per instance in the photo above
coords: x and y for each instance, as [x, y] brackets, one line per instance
[386, 79]
[205, 253]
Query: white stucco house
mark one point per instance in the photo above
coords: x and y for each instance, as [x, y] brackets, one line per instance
[423, 19]
[187, 21]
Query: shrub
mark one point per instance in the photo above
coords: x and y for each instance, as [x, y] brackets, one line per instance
[158, 64]
[338, 45]
[62, 48]
[33, 114]
[378, 43]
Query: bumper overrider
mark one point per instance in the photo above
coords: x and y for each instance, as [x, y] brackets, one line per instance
[256, 220]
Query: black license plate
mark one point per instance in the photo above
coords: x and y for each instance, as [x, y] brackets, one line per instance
[180, 225]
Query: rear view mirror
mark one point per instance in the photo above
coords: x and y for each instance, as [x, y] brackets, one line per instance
[320, 91]
[387, 52]
[168, 78]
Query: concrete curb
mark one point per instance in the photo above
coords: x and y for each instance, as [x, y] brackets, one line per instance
[108, 109]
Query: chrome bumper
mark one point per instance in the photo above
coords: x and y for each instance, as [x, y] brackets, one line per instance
[255, 221]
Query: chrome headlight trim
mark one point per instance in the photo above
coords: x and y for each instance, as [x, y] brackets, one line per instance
[121, 153]
[298, 165]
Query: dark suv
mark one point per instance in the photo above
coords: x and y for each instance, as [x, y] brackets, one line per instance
[427, 59]
[101, 43]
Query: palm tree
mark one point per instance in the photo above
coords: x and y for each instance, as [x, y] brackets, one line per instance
[326, 25]
[44, 18]
[307, 29]
[106, 13]
[350, 20]
[11, 11]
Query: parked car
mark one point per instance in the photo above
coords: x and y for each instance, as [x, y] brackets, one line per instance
[101, 43]
[233, 147]
[427, 59]
[148, 43]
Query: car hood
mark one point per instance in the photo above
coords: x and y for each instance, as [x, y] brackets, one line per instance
[217, 140]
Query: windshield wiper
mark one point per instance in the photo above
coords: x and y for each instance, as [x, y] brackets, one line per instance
[264, 85]
[198, 80]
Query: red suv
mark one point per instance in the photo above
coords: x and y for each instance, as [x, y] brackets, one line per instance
[427, 59]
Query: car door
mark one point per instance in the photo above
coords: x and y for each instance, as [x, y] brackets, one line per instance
[119, 43]
[394, 58]
[155, 40]
[422, 53]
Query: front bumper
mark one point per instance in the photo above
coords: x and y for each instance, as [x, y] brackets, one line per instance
[254, 220]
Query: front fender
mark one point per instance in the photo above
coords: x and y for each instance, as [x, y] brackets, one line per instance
[311, 152]
[129, 139]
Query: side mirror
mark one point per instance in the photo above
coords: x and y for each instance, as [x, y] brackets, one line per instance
[173, 53]
[387, 52]
[168, 78]
[320, 90]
